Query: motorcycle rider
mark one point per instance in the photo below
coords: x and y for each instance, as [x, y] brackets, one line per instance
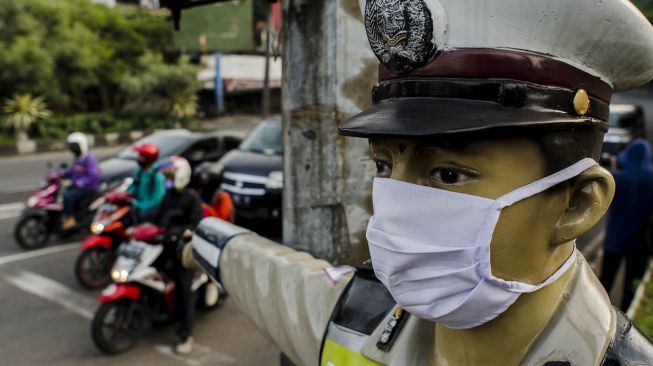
[84, 174]
[148, 187]
[180, 211]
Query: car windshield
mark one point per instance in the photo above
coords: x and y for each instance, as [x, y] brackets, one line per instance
[168, 144]
[265, 138]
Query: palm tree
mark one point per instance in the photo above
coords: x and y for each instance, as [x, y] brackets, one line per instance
[21, 111]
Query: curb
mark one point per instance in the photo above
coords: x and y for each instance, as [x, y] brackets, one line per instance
[640, 291]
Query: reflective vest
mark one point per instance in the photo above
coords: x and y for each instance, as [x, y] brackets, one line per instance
[361, 309]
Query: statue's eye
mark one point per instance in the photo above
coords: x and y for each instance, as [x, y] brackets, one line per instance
[449, 176]
[383, 168]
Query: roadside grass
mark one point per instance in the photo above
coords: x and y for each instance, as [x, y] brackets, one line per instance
[644, 314]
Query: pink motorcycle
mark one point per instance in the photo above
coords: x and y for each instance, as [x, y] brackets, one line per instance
[42, 216]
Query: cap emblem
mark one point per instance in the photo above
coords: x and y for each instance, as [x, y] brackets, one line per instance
[581, 102]
[400, 33]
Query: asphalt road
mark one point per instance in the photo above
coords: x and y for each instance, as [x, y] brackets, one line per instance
[45, 314]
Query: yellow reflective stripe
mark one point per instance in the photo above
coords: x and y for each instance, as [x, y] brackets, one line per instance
[334, 354]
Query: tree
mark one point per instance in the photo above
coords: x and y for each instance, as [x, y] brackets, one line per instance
[75, 53]
[157, 86]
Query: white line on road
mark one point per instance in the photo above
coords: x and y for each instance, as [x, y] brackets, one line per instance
[37, 253]
[12, 206]
[54, 291]
[202, 355]
[11, 210]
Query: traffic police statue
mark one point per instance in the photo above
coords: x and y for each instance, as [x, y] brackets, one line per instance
[488, 119]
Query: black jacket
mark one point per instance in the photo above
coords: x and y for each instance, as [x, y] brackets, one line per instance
[179, 211]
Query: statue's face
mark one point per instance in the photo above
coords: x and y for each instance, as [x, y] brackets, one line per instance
[521, 245]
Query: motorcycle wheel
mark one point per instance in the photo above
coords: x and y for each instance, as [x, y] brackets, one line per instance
[118, 325]
[93, 267]
[32, 232]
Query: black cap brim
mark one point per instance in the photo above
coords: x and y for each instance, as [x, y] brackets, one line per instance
[425, 117]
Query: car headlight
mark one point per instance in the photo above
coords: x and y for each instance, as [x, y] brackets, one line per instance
[275, 180]
[119, 275]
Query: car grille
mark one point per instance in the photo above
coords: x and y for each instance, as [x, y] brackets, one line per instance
[244, 184]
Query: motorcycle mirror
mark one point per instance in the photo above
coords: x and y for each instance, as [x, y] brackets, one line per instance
[63, 166]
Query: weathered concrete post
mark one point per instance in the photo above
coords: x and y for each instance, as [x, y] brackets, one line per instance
[328, 73]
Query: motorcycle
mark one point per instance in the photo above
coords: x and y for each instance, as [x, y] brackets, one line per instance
[109, 229]
[141, 294]
[42, 216]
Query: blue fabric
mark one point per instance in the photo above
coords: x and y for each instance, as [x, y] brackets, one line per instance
[71, 198]
[633, 200]
[85, 173]
[148, 189]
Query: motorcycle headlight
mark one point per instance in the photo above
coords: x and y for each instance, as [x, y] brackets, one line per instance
[97, 227]
[32, 201]
[275, 180]
[119, 275]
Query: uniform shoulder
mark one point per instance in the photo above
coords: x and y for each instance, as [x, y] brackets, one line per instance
[629, 345]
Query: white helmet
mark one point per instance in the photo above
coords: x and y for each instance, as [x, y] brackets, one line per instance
[80, 140]
[182, 172]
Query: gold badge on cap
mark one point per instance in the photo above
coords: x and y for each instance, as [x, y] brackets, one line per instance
[581, 102]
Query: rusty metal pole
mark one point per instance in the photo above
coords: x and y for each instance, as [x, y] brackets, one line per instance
[328, 71]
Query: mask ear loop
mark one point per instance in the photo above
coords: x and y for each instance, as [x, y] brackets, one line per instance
[512, 197]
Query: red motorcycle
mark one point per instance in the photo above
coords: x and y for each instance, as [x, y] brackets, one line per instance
[98, 251]
[142, 293]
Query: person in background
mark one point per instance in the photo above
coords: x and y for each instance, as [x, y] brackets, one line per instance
[84, 174]
[628, 218]
[218, 202]
[148, 187]
[223, 205]
[180, 211]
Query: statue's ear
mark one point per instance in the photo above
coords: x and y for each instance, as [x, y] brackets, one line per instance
[590, 195]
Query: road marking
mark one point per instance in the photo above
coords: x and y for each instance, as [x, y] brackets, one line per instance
[12, 206]
[202, 355]
[54, 291]
[37, 253]
[11, 210]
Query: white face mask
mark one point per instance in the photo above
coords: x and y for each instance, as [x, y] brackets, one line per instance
[431, 249]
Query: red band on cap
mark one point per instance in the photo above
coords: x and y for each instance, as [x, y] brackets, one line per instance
[508, 64]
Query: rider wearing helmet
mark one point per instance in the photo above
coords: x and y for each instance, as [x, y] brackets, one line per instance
[180, 211]
[148, 187]
[84, 174]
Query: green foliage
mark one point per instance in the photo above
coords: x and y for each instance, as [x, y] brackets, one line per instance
[76, 53]
[644, 314]
[22, 111]
[646, 7]
[161, 88]
[58, 127]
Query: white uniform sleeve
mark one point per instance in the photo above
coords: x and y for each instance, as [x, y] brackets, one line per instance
[285, 293]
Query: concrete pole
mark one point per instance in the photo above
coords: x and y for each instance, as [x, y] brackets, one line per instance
[328, 71]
